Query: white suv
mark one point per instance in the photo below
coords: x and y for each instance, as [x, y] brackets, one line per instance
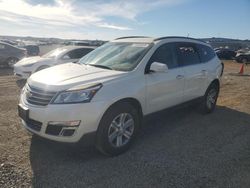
[106, 94]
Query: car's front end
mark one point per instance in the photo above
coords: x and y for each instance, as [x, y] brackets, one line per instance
[57, 103]
[44, 113]
[27, 66]
[22, 72]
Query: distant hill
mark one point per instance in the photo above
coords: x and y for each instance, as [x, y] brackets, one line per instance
[215, 42]
[233, 44]
[47, 41]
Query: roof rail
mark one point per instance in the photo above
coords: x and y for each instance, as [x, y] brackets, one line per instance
[169, 37]
[131, 37]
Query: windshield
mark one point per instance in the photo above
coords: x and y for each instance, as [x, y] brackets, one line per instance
[54, 53]
[117, 56]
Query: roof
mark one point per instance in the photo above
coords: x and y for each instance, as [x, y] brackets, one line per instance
[138, 39]
[76, 47]
[5, 43]
[150, 39]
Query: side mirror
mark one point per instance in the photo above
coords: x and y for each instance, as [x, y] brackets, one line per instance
[158, 67]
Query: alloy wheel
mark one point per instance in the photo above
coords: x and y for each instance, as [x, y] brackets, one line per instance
[121, 130]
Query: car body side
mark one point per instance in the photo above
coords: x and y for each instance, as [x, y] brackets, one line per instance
[127, 89]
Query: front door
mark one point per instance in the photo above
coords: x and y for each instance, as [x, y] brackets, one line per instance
[164, 89]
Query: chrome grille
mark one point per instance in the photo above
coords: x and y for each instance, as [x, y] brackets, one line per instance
[38, 96]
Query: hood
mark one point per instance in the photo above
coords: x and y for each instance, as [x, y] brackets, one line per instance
[68, 75]
[31, 60]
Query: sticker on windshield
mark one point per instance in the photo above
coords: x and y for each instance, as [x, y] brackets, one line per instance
[140, 45]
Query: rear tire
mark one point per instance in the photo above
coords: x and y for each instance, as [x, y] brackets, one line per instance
[117, 129]
[209, 100]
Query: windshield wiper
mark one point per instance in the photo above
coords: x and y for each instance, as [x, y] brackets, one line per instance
[100, 66]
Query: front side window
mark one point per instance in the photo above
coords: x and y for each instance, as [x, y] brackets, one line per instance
[120, 56]
[187, 54]
[164, 54]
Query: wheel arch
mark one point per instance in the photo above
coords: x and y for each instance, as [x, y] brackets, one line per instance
[216, 82]
[133, 101]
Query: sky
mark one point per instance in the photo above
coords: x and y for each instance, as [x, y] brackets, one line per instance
[108, 19]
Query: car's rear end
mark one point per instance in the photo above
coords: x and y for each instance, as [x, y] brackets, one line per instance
[243, 57]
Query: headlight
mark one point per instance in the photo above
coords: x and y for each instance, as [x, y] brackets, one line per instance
[77, 95]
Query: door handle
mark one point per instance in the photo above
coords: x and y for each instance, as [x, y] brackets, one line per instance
[179, 77]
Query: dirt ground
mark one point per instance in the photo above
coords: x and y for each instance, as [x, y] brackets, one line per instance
[175, 148]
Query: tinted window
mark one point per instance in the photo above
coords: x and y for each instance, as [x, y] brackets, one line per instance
[77, 53]
[164, 54]
[206, 53]
[187, 54]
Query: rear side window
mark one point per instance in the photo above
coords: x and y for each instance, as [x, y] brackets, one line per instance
[187, 54]
[164, 54]
[206, 53]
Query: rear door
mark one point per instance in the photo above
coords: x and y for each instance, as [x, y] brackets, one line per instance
[195, 71]
[164, 89]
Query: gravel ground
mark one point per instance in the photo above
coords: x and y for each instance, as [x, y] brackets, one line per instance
[175, 148]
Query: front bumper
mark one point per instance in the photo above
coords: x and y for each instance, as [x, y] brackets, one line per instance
[19, 72]
[39, 117]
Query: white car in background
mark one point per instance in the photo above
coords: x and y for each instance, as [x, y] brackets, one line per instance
[106, 94]
[27, 66]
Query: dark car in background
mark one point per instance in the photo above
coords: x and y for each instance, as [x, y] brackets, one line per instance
[243, 57]
[32, 50]
[10, 54]
[225, 54]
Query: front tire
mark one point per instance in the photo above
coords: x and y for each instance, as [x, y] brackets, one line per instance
[210, 98]
[117, 129]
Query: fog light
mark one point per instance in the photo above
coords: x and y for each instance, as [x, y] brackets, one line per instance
[65, 123]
